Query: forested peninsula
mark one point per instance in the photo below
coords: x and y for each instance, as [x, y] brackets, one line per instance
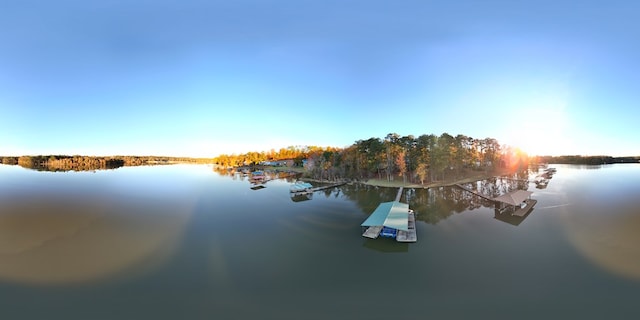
[411, 159]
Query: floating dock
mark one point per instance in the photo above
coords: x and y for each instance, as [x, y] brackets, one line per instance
[410, 235]
[372, 232]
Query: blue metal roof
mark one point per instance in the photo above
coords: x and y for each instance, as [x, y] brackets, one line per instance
[389, 214]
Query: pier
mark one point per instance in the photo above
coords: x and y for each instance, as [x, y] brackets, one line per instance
[399, 195]
[306, 188]
[512, 179]
[314, 189]
[474, 192]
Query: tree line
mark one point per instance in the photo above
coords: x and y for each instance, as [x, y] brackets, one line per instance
[87, 163]
[298, 154]
[587, 160]
[416, 159]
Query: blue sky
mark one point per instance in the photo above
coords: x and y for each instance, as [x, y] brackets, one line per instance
[200, 78]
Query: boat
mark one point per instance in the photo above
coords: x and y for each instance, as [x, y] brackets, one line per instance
[549, 172]
[300, 187]
[257, 176]
[541, 181]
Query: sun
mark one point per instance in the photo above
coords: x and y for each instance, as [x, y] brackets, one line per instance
[540, 130]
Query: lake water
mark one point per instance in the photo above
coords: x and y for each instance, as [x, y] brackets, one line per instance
[184, 242]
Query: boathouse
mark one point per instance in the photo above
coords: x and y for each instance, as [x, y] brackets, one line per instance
[517, 203]
[391, 219]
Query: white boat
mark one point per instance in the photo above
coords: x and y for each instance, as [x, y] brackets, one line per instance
[300, 186]
[541, 181]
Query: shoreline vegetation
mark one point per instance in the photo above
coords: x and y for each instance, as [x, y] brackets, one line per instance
[423, 161]
[396, 182]
[91, 163]
[586, 160]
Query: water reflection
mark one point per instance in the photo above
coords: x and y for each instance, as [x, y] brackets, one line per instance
[610, 242]
[257, 185]
[431, 205]
[386, 245]
[257, 182]
[511, 219]
[596, 207]
[57, 241]
[66, 231]
[436, 204]
[298, 197]
[602, 219]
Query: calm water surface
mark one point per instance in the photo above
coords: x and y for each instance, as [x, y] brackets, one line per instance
[184, 242]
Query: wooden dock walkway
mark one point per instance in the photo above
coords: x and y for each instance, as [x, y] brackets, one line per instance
[474, 192]
[399, 195]
[314, 189]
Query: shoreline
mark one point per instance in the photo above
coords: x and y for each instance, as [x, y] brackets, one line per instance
[445, 183]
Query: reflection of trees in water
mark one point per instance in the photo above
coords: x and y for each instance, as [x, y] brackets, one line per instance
[269, 174]
[70, 163]
[431, 205]
[331, 192]
[497, 186]
[90, 163]
[367, 197]
[436, 204]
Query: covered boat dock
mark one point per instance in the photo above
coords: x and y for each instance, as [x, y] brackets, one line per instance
[516, 203]
[391, 219]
